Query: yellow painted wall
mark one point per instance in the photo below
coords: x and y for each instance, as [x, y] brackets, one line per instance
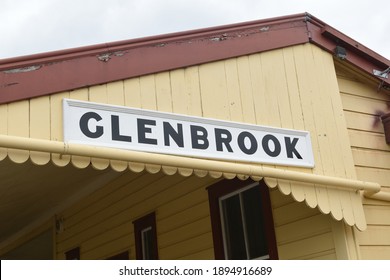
[301, 232]
[101, 224]
[362, 103]
[294, 87]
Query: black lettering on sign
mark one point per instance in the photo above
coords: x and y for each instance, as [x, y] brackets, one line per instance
[199, 137]
[266, 147]
[241, 142]
[223, 137]
[143, 130]
[290, 147]
[115, 130]
[176, 135]
[84, 120]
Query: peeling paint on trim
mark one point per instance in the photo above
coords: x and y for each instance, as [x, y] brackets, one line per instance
[107, 56]
[171, 51]
[23, 69]
[265, 28]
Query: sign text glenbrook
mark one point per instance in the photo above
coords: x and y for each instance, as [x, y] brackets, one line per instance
[167, 133]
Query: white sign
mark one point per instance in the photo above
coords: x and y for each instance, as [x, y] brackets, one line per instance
[166, 133]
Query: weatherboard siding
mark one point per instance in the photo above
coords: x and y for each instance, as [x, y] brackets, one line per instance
[362, 105]
[293, 87]
[101, 224]
[301, 232]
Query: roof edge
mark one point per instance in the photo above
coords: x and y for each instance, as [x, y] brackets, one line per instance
[367, 60]
[77, 52]
[47, 73]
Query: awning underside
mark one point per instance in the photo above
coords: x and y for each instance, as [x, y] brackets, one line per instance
[338, 196]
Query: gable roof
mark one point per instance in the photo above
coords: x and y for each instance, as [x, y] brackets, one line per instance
[41, 74]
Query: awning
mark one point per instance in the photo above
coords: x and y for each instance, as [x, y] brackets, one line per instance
[339, 197]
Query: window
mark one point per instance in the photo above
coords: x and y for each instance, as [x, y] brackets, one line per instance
[241, 219]
[146, 238]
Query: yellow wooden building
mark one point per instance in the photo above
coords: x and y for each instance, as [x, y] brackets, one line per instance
[64, 198]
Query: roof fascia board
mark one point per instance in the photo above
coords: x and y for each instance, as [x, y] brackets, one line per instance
[67, 54]
[328, 38]
[46, 74]
[42, 74]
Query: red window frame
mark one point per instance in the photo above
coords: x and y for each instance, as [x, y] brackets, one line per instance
[223, 188]
[145, 222]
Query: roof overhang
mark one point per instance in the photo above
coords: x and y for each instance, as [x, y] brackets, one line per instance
[299, 184]
[32, 195]
[42, 74]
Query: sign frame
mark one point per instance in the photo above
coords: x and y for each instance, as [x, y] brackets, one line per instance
[104, 125]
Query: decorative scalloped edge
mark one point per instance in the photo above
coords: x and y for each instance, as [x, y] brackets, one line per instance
[296, 190]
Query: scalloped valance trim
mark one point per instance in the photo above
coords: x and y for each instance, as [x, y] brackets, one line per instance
[339, 197]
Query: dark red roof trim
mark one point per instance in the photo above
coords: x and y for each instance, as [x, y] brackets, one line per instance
[362, 57]
[36, 75]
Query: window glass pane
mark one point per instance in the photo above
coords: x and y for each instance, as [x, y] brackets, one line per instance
[147, 244]
[233, 228]
[254, 222]
[241, 219]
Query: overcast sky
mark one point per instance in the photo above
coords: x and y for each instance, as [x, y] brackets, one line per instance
[34, 26]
